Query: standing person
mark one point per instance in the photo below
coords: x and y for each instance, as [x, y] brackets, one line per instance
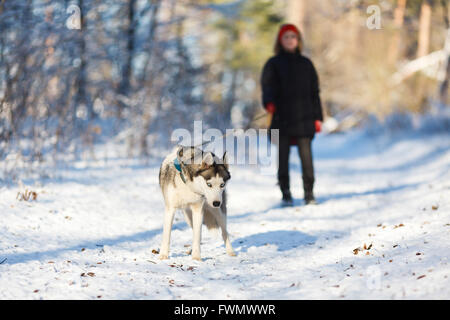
[290, 88]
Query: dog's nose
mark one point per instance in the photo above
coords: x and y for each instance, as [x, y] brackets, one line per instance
[216, 203]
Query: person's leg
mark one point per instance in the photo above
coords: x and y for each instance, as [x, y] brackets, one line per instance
[304, 149]
[283, 165]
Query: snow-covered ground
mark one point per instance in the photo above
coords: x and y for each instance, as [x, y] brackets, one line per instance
[381, 230]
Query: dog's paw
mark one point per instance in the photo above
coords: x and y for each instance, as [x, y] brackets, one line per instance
[231, 253]
[196, 257]
[163, 256]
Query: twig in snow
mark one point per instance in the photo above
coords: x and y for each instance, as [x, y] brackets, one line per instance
[3, 260]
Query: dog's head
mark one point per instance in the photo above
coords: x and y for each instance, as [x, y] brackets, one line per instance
[206, 173]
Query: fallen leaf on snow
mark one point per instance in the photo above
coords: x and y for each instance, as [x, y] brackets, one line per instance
[27, 195]
[90, 274]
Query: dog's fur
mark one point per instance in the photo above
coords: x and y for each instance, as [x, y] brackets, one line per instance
[202, 196]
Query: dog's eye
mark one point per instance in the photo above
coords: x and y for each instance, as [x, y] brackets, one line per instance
[209, 184]
[222, 185]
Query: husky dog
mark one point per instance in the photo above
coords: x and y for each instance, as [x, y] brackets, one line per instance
[194, 181]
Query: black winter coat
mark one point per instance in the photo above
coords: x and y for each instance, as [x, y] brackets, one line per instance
[289, 80]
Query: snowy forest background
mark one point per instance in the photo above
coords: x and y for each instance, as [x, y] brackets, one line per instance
[137, 69]
[88, 106]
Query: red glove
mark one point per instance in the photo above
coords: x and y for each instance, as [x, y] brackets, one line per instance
[318, 125]
[270, 107]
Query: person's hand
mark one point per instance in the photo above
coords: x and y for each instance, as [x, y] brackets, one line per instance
[270, 107]
[318, 125]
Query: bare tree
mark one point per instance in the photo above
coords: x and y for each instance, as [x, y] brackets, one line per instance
[443, 88]
[423, 43]
[82, 95]
[296, 13]
[399, 17]
[125, 84]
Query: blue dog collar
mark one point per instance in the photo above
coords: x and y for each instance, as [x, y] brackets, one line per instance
[177, 166]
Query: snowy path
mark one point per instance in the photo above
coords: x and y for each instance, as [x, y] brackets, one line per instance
[90, 235]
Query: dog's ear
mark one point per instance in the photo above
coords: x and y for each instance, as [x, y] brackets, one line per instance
[225, 160]
[208, 160]
[180, 153]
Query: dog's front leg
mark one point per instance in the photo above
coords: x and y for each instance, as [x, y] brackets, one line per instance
[167, 228]
[197, 220]
[222, 220]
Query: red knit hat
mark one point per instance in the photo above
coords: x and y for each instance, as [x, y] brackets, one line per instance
[287, 27]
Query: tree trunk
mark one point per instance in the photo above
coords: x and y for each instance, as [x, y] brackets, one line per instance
[81, 95]
[147, 119]
[423, 44]
[399, 17]
[296, 12]
[151, 37]
[124, 87]
[443, 88]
